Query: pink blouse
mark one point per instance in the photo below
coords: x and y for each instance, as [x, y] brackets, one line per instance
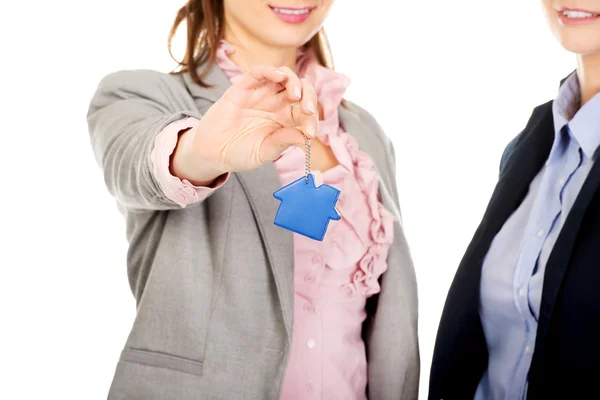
[332, 278]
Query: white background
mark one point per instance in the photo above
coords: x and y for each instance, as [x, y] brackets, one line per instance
[451, 83]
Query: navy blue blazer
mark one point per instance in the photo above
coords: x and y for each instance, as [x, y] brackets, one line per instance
[566, 359]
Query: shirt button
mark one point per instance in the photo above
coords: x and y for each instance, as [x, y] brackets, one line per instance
[309, 277]
[308, 387]
[311, 343]
[521, 292]
[527, 349]
[562, 181]
[309, 308]
[349, 292]
[317, 260]
[540, 232]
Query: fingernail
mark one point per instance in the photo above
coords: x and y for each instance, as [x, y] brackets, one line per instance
[311, 107]
[310, 131]
[297, 92]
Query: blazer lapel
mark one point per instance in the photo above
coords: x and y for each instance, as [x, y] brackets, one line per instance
[259, 186]
[560, 257]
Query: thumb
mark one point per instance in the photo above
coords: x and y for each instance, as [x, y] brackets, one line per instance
[277, 142]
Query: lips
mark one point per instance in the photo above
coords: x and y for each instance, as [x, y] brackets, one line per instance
[571, 16]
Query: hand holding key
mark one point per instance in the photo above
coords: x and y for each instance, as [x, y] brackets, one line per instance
[263, 113]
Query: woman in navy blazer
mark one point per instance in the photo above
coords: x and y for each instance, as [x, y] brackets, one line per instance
[522, 317]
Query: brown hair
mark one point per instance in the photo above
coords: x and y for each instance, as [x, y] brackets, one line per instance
[205, 20]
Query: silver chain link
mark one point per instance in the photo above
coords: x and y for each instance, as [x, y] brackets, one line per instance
[307, 164]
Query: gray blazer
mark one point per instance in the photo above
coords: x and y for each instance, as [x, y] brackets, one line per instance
[213, 282]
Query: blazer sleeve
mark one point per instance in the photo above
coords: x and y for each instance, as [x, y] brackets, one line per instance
[508, 151]
[408, 299]
[126, 113]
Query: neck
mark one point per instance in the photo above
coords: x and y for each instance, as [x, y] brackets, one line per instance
[250, 52]
[588, 73]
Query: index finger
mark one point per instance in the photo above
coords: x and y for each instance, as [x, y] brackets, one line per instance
[258, 75]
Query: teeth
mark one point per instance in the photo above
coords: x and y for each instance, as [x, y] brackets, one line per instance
[291, 12]
[577, 14]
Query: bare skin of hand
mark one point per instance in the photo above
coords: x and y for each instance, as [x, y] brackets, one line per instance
[258, 117]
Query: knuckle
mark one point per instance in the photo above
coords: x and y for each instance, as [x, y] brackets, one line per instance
[290, 74]
[282, 146]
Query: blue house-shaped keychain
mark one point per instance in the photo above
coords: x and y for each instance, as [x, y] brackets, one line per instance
[305, 208]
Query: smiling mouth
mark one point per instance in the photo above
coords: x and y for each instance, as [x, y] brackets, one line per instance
[577, 13]
[575, 17]
[292, 11]
[292, 15]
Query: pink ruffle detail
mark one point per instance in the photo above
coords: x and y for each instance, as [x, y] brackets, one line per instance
[374, 261]
[224, 62]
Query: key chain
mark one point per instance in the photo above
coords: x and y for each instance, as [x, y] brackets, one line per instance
[306, 209]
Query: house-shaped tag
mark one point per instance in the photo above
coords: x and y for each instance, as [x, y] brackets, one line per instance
[305, 208]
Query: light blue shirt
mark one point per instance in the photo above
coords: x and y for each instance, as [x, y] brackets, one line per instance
[513, 270]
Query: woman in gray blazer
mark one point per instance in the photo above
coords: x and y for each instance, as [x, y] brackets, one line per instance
[230, 303]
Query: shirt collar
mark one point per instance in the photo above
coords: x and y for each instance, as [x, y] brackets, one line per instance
[583, 123]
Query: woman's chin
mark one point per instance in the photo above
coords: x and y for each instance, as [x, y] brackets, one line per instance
[581, 43]
[289, 37]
